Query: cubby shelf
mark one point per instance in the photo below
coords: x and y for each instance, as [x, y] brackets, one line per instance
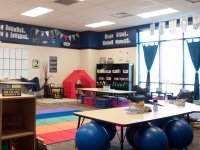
[118, 76]
[17, 115]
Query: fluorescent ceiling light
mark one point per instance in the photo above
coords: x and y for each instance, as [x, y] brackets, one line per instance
[157, 13]
[99, 24]
[36, 12]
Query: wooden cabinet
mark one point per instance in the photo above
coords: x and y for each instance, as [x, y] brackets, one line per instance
[118, 76]
[17, 121]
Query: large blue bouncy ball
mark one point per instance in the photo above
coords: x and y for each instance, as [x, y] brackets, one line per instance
[151, 138]
[110, 128]
[179, 133]
[161, 122]
[131, 132]
[92, 136]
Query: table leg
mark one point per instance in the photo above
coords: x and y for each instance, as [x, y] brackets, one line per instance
[188, 119]
[79, 121]
[122, 139]
[117, 100]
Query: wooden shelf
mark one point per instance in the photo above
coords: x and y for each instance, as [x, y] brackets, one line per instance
[15, 134]
[23, 132]
[123, 72]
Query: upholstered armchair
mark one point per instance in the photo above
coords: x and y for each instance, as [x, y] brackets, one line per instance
[184, 94]
[141, 94]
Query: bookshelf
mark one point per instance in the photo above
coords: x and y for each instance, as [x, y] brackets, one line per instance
[17, 114]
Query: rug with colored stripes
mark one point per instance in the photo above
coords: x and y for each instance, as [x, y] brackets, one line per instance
[56, 125]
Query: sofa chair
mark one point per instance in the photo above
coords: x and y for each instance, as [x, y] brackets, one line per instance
[184, 94]
[140, 94]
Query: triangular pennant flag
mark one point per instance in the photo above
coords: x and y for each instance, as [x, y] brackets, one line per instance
[65, 37]
[73, 37]
[37, 31]
[42, 33]
[47, 33]
[196, 22]
[61, 35]
[57, 32]
[172, 26]
[77, 35]
[184, 24]
[152, 28]
[161, 28]
[70, 37]
[52, 33]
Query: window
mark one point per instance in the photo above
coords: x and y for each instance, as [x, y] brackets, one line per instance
[13, 63]
[172, 67]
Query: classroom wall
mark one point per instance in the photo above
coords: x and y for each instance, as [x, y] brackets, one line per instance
[71, 59]
[67, 61]
[91, 57]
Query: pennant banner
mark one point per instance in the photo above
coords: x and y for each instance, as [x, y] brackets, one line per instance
[61, 35]
[184, 24]
[152, 28]
[73, 37]
[161, 28]
[172, 26]
[77, 35]
[196, 22]
[42, 33]
[70, 37]
[37, 31]
[65, 37]
[47, 33]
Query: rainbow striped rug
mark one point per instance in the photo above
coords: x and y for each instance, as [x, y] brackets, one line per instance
[56, 125]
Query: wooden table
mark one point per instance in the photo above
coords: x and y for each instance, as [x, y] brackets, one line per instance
[16, 83]
[111, 91]
[120, 117]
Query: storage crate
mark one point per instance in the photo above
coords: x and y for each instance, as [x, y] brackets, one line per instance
[103, 103]
[89, 101]
[121, 102]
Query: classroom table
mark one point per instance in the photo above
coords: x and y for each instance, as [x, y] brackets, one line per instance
[15, 82]
[120, 117]
[111, 91]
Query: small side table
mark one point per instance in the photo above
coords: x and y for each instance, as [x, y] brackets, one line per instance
[61, 92]
[161, 94]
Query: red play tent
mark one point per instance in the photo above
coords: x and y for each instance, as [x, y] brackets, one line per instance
[70, 82]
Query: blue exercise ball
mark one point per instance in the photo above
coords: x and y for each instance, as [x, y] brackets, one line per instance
[92, 136]
[179, 133]
[151, 138]
[110, 128]
[161, 122]
[131, 132]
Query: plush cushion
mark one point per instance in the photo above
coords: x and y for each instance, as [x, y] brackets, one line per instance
[185, 94]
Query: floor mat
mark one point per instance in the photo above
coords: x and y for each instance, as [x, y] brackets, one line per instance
[61, 127]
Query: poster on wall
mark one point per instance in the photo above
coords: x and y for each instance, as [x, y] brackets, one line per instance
[36, 63]
[53, 64]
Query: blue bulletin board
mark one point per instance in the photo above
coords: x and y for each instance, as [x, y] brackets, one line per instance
[37, 35]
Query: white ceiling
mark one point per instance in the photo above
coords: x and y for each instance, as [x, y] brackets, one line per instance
[75, 16]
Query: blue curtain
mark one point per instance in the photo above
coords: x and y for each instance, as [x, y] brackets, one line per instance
[194, 49]
[149, 56]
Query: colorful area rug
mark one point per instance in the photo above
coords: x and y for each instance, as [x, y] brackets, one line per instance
[56, 125]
